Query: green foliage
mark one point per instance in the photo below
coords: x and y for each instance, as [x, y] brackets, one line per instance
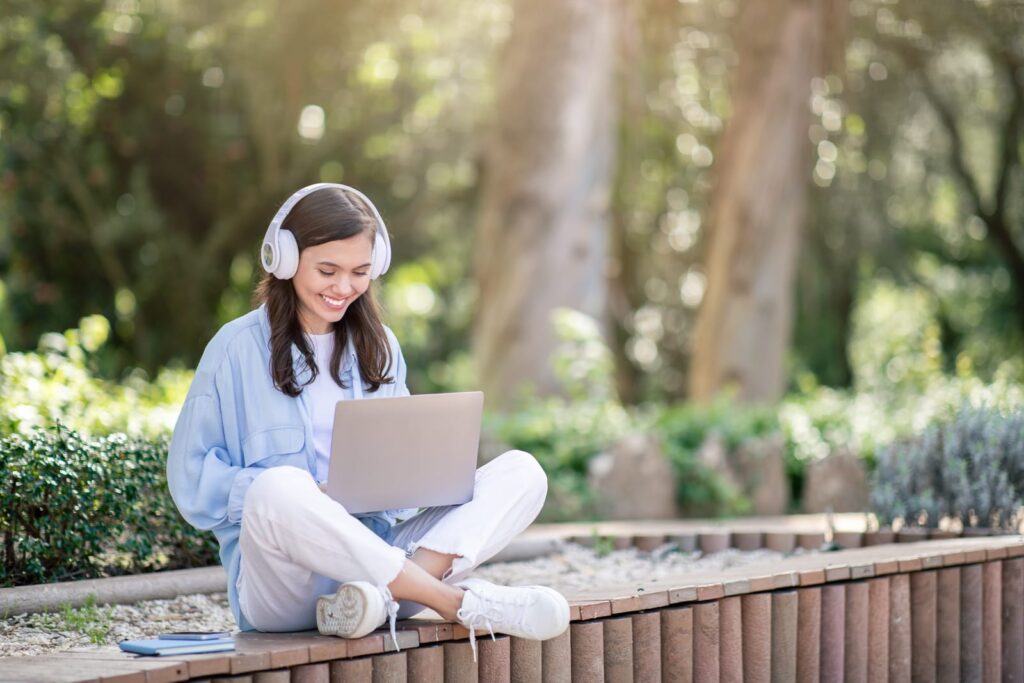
[145, 146]
[429, 308]
[969, 468]
[566, 433]
[90, 620]
[564, 436]
[821, 419]
[59, 382]
[602, 545]
[582, 362]
[77, 507]
[686, 427]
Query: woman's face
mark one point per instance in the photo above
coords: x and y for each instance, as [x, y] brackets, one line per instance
[330, 277]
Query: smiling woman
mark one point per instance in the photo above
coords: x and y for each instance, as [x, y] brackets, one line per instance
[340, 245]
[330, 278]
[251, 447]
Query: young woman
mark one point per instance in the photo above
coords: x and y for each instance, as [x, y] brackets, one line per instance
[251, 448]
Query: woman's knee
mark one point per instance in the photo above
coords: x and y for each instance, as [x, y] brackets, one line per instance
[528, 473]
[275, 487]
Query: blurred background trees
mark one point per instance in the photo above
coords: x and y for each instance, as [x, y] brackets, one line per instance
[527, 160]
[542, 234]
[762, 234]
[758, 206]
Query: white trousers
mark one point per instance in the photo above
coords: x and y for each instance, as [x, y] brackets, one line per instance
[297, 543]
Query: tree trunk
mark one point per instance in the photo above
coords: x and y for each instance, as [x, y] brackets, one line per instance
[759, 201]
[542, 230]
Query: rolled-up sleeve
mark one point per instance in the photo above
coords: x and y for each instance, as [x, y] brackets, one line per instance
[207, 488]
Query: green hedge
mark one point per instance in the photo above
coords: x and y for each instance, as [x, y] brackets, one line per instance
[74, 507]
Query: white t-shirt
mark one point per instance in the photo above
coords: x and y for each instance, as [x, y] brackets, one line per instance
[324, 394]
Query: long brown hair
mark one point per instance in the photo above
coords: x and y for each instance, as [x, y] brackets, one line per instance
[324, 216]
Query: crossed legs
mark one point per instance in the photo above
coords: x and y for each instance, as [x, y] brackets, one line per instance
[297, 544]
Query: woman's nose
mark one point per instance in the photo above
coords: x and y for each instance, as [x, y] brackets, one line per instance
[344, 286]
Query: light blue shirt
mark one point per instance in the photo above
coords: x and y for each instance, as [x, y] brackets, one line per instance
[235, 424]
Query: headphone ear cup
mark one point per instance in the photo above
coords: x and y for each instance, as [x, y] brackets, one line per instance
[287, 257]
[381, 256]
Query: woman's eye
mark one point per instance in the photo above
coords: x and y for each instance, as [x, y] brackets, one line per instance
[325, 274]
[360, 274]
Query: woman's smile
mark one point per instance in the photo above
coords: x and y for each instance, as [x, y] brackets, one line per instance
[334, 304]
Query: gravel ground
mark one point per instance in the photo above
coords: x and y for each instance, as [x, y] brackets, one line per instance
[575, 567]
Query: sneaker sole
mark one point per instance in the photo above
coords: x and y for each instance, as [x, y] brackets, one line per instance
[342, 613]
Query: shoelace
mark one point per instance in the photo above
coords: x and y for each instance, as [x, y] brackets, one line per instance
[473, 620]
[392, 615]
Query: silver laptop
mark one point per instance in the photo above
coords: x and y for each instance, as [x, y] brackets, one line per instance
[405, 452]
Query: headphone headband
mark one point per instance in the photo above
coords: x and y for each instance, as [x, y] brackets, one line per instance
[280, 252]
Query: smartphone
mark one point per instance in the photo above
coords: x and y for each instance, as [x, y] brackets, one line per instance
[195, 635]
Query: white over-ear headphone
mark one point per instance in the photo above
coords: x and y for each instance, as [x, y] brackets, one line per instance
[280, 252]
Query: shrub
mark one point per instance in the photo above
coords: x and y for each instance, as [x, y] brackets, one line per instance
[969, 468]
[60, 382]
[564, 436]
[76, 507]
[686, 427]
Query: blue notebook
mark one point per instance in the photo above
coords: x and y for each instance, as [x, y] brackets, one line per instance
[159, 646]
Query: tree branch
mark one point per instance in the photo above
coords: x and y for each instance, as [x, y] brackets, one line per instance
[93, 216]
[1011, 134]
[957, 159]
[995, 217]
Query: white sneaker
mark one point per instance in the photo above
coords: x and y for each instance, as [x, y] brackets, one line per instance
[356, 609]
[533, 612]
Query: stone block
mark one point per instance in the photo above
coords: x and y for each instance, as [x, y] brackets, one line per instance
[730, 640]
[992, 622]
[647, 646]
[677, 645]
[785, 630]
[747, 540]
[833, 625]
[947, 617]
[706, 642]
[971, 631]
[425, 664]
[634, 480]
[459, 666]
[923, 625]
[494, 659]
[586, 640]
[525, 660]
[556, 658]
[713, 542]
[1013, 619]
[390, 668]
[855, 633]
[757, 469]
[837, 482]
[757, 637]
[312, 673]
[780, 541]
[899, 628]
[878, 629]
[618, 649]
